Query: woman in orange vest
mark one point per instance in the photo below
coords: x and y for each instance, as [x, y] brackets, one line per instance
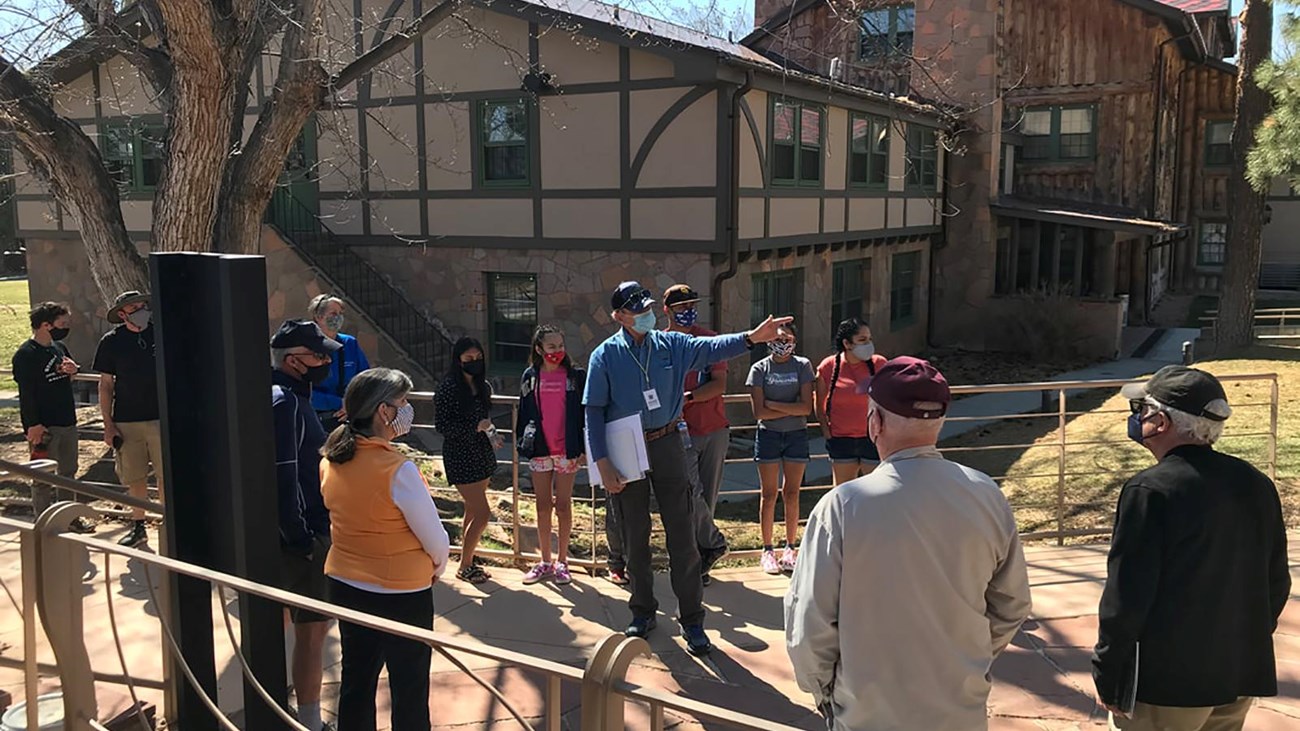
[389, 546]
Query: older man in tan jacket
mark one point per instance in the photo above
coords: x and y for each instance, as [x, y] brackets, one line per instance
[911, 579]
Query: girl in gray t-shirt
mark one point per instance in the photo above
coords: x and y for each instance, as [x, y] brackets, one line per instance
[780, 388]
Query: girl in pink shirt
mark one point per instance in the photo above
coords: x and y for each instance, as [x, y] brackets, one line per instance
[551, 439]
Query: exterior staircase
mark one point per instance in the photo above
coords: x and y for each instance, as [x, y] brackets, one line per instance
[426, 344]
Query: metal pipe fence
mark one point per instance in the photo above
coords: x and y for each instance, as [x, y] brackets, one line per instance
[52, 560]
[1060, 460]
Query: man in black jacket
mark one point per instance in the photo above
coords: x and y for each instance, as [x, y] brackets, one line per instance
[1198, 570]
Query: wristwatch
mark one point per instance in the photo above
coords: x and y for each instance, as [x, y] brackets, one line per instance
[749, 342]
[690, 396]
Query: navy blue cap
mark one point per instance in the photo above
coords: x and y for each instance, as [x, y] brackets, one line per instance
[304, 334]
[631, 296]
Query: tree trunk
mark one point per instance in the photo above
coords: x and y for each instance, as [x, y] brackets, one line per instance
[1235, 326]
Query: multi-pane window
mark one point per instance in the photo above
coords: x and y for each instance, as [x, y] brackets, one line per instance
[922, 157]
[512, 317]
[869, 151]
[1059, 133]
[1218, 143]
[850, 291]
[1212, 247]
[886, 33]
[903, 277]
[796, 143]
[503, 134]
[133, 154]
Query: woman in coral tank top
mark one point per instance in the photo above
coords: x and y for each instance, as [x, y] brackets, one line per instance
[841, 409]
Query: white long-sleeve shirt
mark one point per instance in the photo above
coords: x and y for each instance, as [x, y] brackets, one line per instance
[910, 582]
[411, 496]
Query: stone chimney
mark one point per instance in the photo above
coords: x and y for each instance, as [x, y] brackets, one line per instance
[765, 9]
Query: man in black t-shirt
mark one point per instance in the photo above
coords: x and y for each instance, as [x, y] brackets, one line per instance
[128, 400]
[43, 369]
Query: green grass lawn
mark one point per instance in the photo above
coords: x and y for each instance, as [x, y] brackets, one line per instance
[14, 327]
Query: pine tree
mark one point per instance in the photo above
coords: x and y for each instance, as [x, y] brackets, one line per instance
[1277, 145]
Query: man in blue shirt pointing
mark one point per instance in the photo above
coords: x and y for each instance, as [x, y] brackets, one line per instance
[640, 370]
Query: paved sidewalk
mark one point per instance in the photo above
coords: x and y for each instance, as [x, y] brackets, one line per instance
[1041, 682]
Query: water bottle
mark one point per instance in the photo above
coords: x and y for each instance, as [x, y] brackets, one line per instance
[685, 433]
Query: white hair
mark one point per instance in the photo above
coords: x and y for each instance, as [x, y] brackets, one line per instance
[278, 355]
[907, 424]
[1198, 429]
[320, 302]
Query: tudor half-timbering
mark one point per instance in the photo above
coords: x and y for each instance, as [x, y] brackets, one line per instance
[523, 158]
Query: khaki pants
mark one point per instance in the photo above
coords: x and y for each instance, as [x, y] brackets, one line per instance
[141, 447]
[62, 446]
[1168, 718]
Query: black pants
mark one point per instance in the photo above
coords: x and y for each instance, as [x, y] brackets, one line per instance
[366, 651]
[614, 535]
[672, 489]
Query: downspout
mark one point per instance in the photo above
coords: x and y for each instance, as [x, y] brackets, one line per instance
[941, 243]
[732, 190]
[1174, 263]
[1154, 199]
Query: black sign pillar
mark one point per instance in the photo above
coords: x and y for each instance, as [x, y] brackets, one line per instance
[215, 401]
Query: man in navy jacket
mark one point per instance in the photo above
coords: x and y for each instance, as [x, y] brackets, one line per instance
[301, 355]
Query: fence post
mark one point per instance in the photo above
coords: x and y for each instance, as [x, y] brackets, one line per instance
[514, 479]
[1272, 429]
[1060, 473]
[60, 566]
[31, 673]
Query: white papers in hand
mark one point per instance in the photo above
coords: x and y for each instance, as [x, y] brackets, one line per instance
[625, 440]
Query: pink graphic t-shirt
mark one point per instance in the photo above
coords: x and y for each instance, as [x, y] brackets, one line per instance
[550, 396]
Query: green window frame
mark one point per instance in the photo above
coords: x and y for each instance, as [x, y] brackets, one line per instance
[798, 133]
[904, 271]
[868, 151]
[1218, 143]
[1059, 133]
[512, 318]
[922, 157]
[1212, 244]
[503, 130]
[778, 293]
[133, 154]
[886, 33]
[850, 291]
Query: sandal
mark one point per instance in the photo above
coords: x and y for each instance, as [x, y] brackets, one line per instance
[474, 574]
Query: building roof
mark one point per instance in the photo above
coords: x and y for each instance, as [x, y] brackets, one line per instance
[1199, 6]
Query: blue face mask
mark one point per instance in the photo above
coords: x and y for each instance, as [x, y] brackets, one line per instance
[1135, 422]
[644, 322]
[687, 318]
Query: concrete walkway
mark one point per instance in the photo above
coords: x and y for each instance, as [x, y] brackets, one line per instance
[1042, 682]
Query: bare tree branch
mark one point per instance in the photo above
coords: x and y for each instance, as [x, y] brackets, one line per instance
[394, 44]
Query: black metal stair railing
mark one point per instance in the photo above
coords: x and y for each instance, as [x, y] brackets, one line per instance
[360, 283]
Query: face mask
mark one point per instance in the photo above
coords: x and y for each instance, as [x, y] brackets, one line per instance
[781, 349]
[644, 322]
[475, 368]
[140, 318]
[1135, 428]
[864, 351]
[402, 422]
[555, 358]
[334, 323]
[687, 318]
[316, 375]
[59, 333]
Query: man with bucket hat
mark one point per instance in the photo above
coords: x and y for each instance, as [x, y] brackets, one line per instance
[128, 401]
[1197, 575]
[911, 580]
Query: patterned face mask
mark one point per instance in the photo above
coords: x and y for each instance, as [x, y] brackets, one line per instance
[781, 348]
[401, 423]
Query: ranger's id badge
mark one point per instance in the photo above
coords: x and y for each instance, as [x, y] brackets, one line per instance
[651, 398]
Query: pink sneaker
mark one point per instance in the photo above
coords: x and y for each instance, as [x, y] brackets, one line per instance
[539, 572]
[769, 563]
[788, 557]
[562, 574]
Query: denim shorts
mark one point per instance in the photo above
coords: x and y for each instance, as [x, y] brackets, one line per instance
[852, 449]
[780, 446]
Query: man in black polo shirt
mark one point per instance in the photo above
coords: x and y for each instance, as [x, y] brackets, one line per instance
[43, 369]
[1198, 570]
[128, 401]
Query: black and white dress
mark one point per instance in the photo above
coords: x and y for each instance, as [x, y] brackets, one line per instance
[466, 452]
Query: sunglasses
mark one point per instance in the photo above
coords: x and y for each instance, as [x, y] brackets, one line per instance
[1137, 406]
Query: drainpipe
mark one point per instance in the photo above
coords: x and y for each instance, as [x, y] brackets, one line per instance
[1155, 160]
[1174, 262]
[941, 243]
[733, 190]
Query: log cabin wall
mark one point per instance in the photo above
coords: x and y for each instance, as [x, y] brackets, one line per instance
[1100, 53]
[1210, 96]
